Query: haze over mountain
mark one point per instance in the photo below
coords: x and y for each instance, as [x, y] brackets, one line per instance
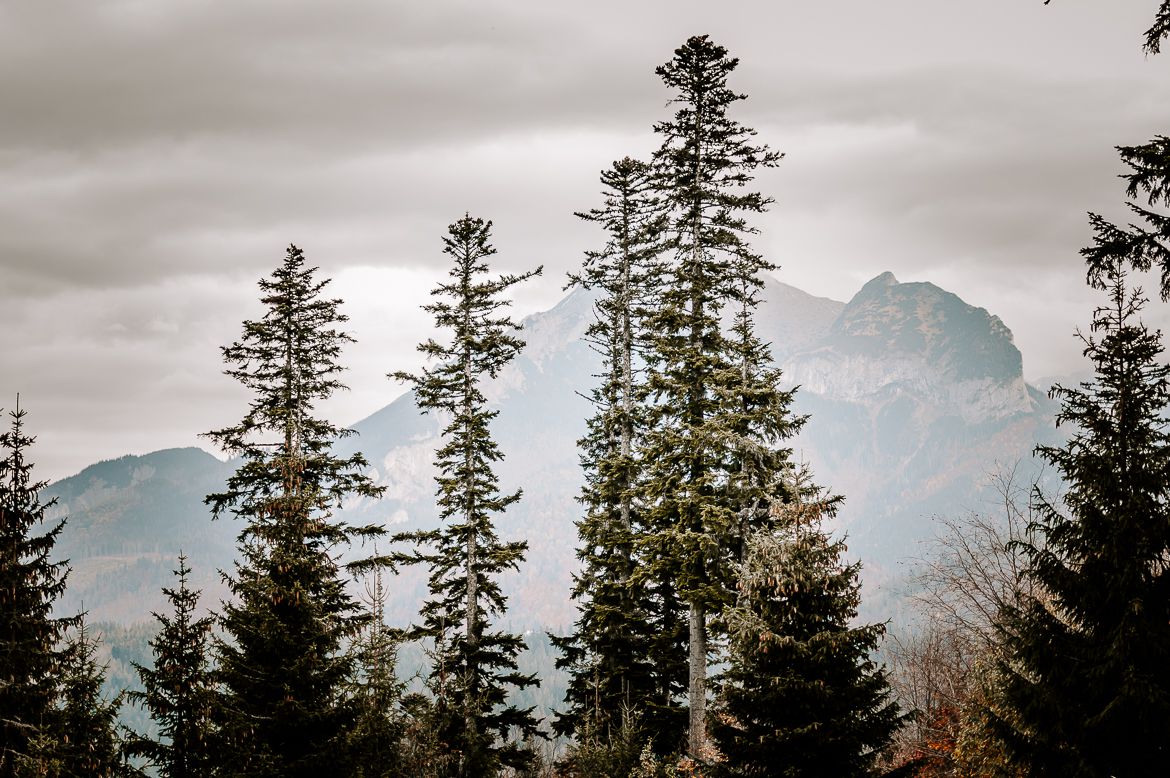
[915, 398]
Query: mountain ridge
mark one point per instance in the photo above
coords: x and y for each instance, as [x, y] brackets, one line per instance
[912, 395]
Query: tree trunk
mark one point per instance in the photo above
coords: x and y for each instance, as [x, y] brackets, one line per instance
[627, 376]
[697, 697]
[472, 610]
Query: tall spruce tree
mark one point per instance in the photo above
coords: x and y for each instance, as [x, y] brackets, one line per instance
[283, 662]
[1082, 685]
[178, 690]
[702, 170]
[30, 584]
[801, 695]
[474, 666]
[1085, 671]
[608, 653]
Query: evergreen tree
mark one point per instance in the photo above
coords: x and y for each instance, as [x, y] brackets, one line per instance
[376, 739]
[801, 696]
[474, 666]
[30, 584]
[86, 723]
[283, 663]
[1086, 668]
[178, 690]
[608, 653]
[702, 169]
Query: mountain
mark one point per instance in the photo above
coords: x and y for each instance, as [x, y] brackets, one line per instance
[917, 401]
[128, 519]
[914, 396]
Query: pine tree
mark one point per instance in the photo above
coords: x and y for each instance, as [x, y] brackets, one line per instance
[801, 696]
[178, 690]
[86, 722]
[608, 653]
[474, 666]
[1086, 667]
[30, 585]
[702, 169]
[283, 664]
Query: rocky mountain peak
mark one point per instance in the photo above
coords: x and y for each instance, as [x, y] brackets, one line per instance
[889, 319]
[876, 284]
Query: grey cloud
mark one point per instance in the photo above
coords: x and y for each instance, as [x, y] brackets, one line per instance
[146, 140]
[348, 74]
[979, 162]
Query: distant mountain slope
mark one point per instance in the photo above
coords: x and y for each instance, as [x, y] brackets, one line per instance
[127, 520]
[913, 394]
[794, 321]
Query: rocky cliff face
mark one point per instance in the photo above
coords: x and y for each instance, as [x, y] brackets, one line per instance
[920, 340]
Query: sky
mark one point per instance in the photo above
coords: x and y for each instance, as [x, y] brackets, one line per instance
[156, 159]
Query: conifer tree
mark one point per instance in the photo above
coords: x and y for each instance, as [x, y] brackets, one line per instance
[1085, 672]
[178, 690]
[474, 666]
[283, 663]
[376, 739]
[30, 584]
[702, 170]
[608, 653]
[86, 725]
[801, 695]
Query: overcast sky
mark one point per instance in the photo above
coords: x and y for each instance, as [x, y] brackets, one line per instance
[156, 158]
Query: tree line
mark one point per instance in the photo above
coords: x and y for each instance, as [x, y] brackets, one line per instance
[717, 630]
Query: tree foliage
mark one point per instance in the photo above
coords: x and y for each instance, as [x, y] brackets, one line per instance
[702, 170]
[376, 740]
[1159, 29]
[86, 728]
[608, 653]
[943, 668]
[474, 665]
[31, 582]
[802, 695]
[1086, 682]
[283, 663]
[178, 690]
